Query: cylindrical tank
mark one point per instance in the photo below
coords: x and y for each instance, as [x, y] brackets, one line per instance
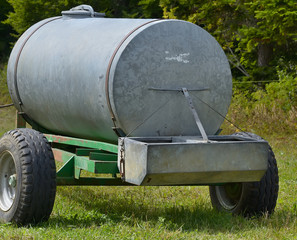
[83, 75]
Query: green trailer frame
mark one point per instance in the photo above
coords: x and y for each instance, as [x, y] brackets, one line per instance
[80, 154]
[91, 156]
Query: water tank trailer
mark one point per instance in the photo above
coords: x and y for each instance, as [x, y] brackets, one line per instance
[136, 101]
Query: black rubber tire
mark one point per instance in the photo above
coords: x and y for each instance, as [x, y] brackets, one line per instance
[35, 169]
[249, 199]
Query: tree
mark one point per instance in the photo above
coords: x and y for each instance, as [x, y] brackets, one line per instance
[273, 33]
[257, 35]
[28, 12]
[5, 30]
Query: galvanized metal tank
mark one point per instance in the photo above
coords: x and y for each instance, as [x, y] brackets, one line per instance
[83, 75]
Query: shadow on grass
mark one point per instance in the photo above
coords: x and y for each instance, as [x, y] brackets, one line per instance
[113, 207]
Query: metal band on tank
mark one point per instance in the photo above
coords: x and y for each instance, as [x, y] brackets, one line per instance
[109, 67]
[18, 58]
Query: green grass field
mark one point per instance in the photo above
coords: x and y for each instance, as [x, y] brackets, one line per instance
[162, 212]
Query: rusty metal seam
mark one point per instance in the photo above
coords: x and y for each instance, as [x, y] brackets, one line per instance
[110, 64]
[18, 58]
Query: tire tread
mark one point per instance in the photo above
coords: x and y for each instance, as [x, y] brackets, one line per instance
[258, 197]
[38, 176]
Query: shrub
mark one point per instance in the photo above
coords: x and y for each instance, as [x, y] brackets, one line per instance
[268, 110]
[4, 94]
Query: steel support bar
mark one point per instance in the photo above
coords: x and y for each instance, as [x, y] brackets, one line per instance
[67, 170]
[82, 143]
[86, 152]
[103, 156]
[69, 173]
[19, 121]
[62, 156]
[84, 163]
[195, 114]
[85, 181]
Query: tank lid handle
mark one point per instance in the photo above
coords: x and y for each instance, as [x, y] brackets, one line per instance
[82, 11]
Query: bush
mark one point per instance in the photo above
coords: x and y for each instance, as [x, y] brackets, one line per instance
[269, 110]
[4, 94]
[282, 93]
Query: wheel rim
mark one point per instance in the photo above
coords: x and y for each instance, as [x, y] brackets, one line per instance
[229, 195]
[8, 180]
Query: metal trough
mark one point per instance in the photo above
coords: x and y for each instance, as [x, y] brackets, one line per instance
[191, 160]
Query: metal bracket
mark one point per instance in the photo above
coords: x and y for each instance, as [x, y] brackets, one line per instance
[119, 132]
[195, 114]
[122, 158]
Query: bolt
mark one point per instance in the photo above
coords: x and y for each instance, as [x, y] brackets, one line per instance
[12, 180]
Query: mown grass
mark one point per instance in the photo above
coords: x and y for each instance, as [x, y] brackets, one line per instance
[165, 212]
[162, 212]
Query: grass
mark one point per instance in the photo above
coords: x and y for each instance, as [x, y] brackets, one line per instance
[162, 212]
[7, 119]
[4, 95]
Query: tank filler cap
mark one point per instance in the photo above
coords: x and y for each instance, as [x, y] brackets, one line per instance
[82, 11]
